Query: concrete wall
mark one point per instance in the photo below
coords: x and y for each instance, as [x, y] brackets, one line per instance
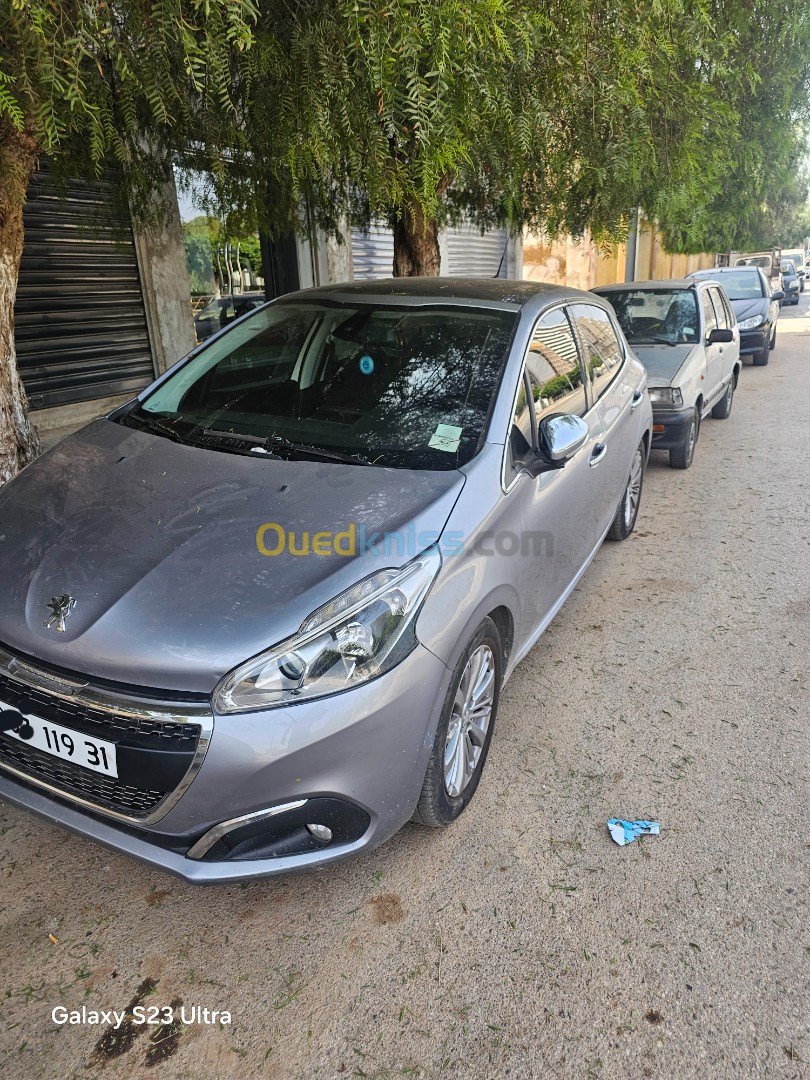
[166, 288]
[578, 263]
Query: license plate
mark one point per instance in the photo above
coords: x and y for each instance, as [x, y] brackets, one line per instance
[74, 746]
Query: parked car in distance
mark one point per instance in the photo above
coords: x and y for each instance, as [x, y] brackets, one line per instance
[259, 617]
[767, 261]
[755, 305]
[223, 310]
[798, 260]
[789, 282]
[685, 334]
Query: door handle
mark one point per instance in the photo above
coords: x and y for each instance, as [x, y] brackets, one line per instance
[599, 452]
[638, 397]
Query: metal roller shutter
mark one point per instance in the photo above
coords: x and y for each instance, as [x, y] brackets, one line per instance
[469, 254]
[81, 329]
[373, 253]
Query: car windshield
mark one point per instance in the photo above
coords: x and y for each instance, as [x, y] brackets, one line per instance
[741, 284]
[656, 316]
[407, 387]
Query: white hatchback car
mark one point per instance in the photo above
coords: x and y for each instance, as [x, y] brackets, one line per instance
[686, 336]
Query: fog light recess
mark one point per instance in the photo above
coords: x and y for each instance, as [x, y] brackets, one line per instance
[321, 832]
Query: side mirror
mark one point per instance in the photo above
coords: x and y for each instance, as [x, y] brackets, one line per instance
[719, 336]
[561, 436]
[777, 294]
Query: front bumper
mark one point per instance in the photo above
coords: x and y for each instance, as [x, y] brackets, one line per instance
[754, 341]
[354, 762]
[675, 424]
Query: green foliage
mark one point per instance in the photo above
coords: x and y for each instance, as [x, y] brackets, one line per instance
[204, 238]
[760, 199]
[562, 116]
[125, 82]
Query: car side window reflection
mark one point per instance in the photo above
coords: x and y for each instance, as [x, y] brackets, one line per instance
[605, 352]
[709, 316]
[522, 435]
[720, 310]
[554, 368]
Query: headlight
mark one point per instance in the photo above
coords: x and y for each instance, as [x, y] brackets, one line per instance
[793, 284]
[666, 395]
[360, 634]
[749, 324]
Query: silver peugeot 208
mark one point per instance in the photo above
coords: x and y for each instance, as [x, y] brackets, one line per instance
[260, 617]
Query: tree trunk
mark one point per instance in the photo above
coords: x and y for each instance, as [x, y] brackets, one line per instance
[416, 244]
[19, 443]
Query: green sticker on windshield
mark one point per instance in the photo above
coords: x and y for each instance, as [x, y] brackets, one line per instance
[446, 437]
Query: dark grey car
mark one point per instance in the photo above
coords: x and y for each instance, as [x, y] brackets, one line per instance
[260, 617]
[755, 306]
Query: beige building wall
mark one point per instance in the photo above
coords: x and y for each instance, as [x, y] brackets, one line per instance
[579, 264]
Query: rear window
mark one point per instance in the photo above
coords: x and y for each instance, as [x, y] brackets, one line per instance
[742, 284]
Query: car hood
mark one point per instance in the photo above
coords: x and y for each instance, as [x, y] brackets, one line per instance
[663, 362]
[746, 309]
[157, 542]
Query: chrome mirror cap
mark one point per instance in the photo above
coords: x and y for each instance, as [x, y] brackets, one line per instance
[563, 435]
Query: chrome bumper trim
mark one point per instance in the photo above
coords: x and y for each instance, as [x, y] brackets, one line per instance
[207, 840]
[84, 693]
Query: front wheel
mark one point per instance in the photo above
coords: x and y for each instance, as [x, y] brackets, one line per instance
[772, 342]
[625, 520]
[722, 410]
[681, 457]
[465, 730]
[761, 358]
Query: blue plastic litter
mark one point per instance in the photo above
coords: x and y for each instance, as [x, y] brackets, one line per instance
[625, 832]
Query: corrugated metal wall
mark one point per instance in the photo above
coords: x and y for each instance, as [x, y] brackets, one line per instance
[373, 253]
[469, 254]
[81, 329]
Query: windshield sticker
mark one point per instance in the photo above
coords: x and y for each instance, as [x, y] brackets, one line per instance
[446, 437]
[366, 365]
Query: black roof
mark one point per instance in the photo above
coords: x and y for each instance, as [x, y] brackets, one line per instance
[470, 292]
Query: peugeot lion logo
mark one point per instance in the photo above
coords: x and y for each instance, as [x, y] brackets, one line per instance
[61, 608]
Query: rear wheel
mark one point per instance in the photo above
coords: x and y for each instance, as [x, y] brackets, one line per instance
[681, 457]
[722, 410]
[465, 730]
[625, 520]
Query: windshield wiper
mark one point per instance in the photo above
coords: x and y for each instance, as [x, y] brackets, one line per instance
[154, 423]
[276, 441]
[653, 341]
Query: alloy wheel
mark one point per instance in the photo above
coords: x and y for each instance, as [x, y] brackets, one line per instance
[469, 720]
[633, 493]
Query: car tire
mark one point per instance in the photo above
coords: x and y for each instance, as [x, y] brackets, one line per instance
[772, 342]
[451, 778]
[627, 511]
[760, 358]
[681, 457]
[722, 410]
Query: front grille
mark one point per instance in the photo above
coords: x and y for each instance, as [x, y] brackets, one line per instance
[153, 756]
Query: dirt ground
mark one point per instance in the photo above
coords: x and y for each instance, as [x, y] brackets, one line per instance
[522, 942]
